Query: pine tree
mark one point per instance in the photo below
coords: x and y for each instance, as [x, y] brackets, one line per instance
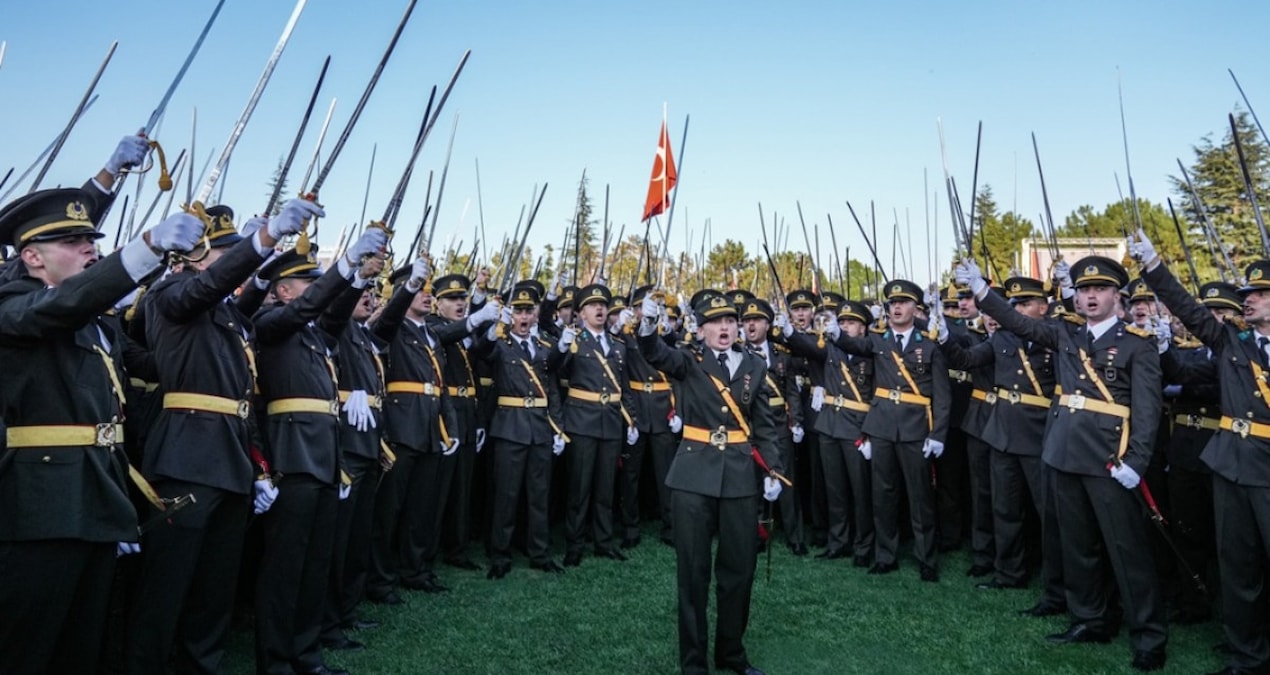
[278, 182]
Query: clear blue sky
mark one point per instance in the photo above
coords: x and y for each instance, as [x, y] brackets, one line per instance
[813, 101]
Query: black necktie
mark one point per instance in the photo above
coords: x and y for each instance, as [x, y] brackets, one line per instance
[1089, 335]
[524, 345]
[1261, 351]
[899, 340]
[723, 363]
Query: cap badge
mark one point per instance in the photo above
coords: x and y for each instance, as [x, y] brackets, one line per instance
[1092, 269]
[76, 211]
[1211, 293]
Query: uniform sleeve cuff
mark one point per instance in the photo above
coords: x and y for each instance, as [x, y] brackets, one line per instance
[138, 260]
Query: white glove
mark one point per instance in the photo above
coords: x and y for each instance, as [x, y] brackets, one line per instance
[489, 312]
[817, 398]
[625, 316]
[1063, 274]
[293, 218]
[632, 435]
[1141, 249]
[265, 494]
[451, 448]
[130, 152]
[345, 490]
[649, 308]
[124, 548]
[781, 322]
[557, 445]
[372, 241]
[676, 424]
[505, 315]
[832, 329]
[420, 270]
[1172, 390]
[480, 439]
[1125, 475]
[615, 328]
[866, 448]
[251, 227]
[876, 311]
[798, 433]
[932, 448]
[967, 274]
[567, 336]
[771, 488]
[180, 232]
[357, 408]
[1163, 335]
[937, 322]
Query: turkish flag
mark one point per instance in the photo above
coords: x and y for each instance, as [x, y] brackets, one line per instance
[663, 179]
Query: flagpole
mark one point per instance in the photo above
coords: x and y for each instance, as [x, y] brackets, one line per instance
[670, 217]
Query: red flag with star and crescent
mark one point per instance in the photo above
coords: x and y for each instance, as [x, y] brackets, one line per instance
[663, 179]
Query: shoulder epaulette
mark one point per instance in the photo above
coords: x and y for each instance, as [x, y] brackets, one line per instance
[1186, 344]
[780, 348]
[931, 334]
[1140, 332]
[1073, 318]
[1238, 322]
[880, 330]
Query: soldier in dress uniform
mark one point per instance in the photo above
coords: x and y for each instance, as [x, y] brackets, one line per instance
[906, 425]
[526, 431]
[419, 415]
[62, 490]
[787, 411]
[598, 421]
[658, 422]
[841, 411]
[802, 311]
[952, 489]
[1018, 404]
[1239, 454]
[1099, 444]
[454, 327]
[296, 338]
[727, 415]
[200, 445]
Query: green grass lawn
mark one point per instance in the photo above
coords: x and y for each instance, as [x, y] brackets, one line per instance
[813, 617]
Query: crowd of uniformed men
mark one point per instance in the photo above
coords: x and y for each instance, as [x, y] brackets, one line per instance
[196, 386]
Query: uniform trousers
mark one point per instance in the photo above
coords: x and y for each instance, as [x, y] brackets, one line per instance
[1243, 545]
[518, 468]
[895, 463]
[592, 471]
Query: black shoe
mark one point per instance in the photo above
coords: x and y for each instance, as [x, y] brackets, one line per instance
[861, 561]
[323, 670]
[498, 570]
[819, 541]
[361, 624]
[549, 566]
[798, 549]
[1043, 609]
[832, 554]
[883, 568]
[997, 584]
[930, 574]
[746, 669]
[1076, 633]
[464, 564]
[572, 559]
[630, 542]
[979, 571]
[1148, 659]
[611, 554]
[389, 598]
[344, 644]
[427, 585]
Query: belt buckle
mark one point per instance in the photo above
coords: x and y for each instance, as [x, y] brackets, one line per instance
[1015, 397]
[839, 401]
[1194, 421]
[719, 438]
[990, 398]
[428, 389]
[529, 401]
[376, 402]
[894, 395]
[244, 409]
[1241, 427]
[648, 387]
[105, 435]
[1075, 402]
[335, 408]
[463, 392]
[604, 398]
